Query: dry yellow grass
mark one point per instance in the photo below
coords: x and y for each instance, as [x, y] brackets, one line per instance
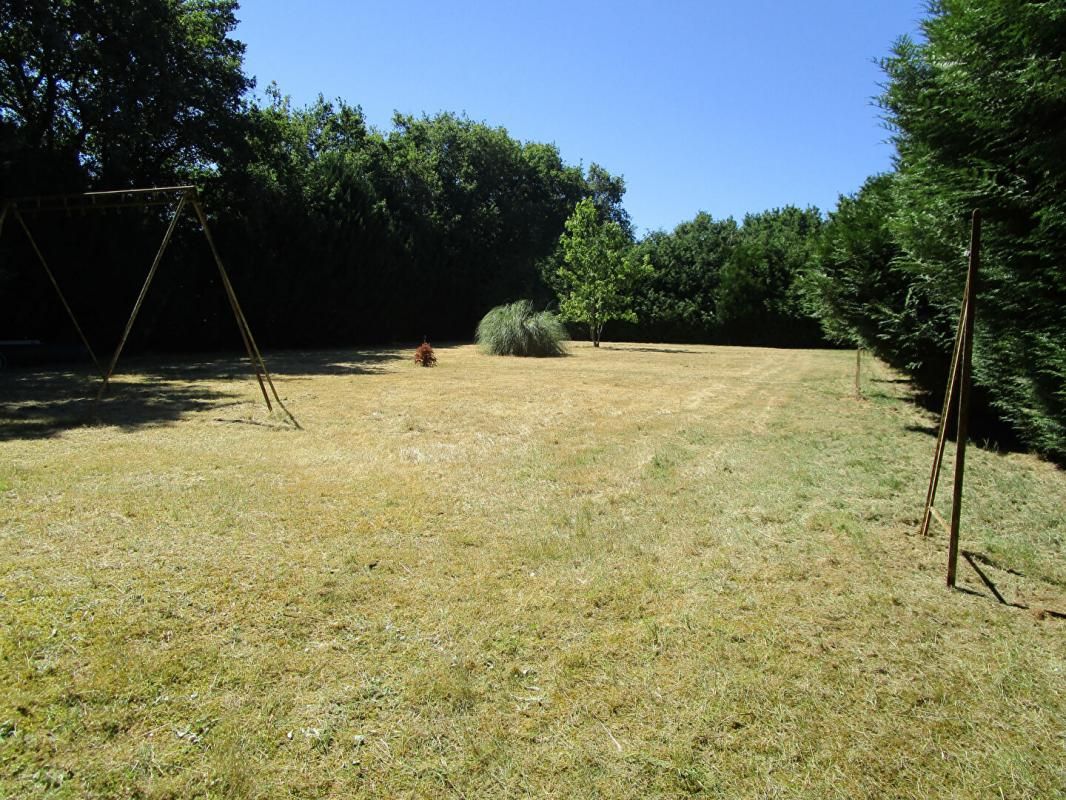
[641, 571]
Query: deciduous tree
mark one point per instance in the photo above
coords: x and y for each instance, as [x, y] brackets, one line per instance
[116, 93]
[598, 276]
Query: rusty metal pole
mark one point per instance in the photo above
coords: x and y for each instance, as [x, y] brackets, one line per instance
[965, 376]
[858, 372]
[945, 413]
[231, 297]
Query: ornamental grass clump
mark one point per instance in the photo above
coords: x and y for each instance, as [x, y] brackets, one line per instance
[516, 329]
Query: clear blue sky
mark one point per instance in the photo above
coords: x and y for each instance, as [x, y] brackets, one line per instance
[723, 107]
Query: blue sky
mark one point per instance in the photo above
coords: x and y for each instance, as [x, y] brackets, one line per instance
[723, 107]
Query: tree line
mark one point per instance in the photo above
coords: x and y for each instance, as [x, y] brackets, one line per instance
[337, 232]
[976, 111]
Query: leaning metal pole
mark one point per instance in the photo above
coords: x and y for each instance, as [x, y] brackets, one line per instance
[140, 299]
[55, 284]
[242, 321]
[231, 298]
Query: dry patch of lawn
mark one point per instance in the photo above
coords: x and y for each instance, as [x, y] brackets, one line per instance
[653, 571]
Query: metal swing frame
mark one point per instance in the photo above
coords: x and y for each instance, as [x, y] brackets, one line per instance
[140, 198]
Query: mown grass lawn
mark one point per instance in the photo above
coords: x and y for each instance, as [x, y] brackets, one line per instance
[638, 571]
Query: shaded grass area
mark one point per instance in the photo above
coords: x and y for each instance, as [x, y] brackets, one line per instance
[659, 572]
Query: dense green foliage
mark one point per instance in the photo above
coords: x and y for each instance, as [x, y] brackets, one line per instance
[759, 298]
[417, 229]
[977, 111]
[333, 231]
[677, 302]
[127, 92]
[598, 275]
[112, 95]
[717, 281]
[516, 329]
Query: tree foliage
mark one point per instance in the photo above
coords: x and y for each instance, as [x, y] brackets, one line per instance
[334, 231]
[127, 92]
[417, 228]
[760, 293]
[859, 292]
[598, 275]
[977, 111]
[677, 302]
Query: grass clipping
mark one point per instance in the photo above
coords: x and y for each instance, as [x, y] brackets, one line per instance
[516, 329]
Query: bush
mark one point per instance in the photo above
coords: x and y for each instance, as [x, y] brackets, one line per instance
[517, 330]
[424, 355]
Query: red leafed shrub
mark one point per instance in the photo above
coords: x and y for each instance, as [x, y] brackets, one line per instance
[425, 356]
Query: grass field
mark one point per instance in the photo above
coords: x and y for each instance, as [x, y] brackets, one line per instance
[638, 571]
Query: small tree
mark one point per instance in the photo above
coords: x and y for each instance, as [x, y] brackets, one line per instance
[597, 277]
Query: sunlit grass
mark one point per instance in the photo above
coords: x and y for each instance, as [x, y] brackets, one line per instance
[639, 571]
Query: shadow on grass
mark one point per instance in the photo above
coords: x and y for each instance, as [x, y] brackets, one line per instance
[291, 363]
[928, 430]
[990, 436]
[649, 349]
[975, 560]
[44, 401]
[37, 404]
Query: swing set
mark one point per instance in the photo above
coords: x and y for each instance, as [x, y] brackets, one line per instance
[186, 196]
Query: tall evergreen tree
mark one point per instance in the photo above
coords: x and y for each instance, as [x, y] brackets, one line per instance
[977, 111]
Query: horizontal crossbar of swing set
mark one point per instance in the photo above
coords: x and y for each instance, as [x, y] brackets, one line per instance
[89, 201]
[104, 206]
[47, 198]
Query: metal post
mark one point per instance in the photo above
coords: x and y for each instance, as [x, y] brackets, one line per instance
[231, 297]
[964, 396]
[858, 371]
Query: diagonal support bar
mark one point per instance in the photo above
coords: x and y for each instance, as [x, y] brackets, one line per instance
[945, 416]
[231, 297]
[242, 323]
[950, 395]
[55, 284]
[140, 298]
[956, 397]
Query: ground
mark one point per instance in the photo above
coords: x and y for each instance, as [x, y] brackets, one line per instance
[637, 571]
